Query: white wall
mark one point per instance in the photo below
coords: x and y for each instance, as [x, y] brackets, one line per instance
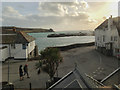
[110, 31]
[31, 46]
[99, 34]
[23, 53]
[4, 53]
[114, 33]
[119, 42]
[19, 52]
[16, 52]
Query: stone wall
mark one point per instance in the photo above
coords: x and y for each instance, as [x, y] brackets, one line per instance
[64, 48]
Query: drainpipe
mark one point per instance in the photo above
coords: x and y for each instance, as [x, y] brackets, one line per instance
[28, 51]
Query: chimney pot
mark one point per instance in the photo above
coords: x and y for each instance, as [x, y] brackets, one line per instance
[110, 16]
[14, 29]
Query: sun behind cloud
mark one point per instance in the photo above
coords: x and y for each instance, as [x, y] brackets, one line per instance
[77, 15]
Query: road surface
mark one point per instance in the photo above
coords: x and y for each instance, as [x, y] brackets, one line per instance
[87, 59]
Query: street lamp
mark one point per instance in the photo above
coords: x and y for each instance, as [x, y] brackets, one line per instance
[9, 64]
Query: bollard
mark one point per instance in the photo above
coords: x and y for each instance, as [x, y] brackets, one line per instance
[30, 86]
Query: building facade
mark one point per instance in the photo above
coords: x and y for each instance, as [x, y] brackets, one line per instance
[17, 45]
[107, 36]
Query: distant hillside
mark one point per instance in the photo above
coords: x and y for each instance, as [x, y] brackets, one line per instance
[27, 30]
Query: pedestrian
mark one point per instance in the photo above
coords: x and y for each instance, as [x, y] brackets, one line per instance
[21, 72]
[26, 70]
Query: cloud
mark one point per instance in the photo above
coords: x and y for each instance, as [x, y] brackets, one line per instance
[48, 9]
[9, 11]
[1, 19]
[45, 20]
[32, 20]
[54, 15]
[62, 8]
[84, 4]
[21, 6]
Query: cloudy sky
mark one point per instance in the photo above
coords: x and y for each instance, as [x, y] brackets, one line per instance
[77, 15]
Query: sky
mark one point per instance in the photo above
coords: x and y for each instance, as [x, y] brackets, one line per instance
[60, 16]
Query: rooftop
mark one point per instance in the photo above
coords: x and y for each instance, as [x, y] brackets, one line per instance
[116, 22]
[16, 37]
[112, 78]
[77, 79]
[74, 79]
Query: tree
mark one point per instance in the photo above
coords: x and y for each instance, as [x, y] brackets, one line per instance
[51, 59]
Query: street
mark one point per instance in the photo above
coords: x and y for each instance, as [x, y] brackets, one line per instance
[87, 60]
[90, 61]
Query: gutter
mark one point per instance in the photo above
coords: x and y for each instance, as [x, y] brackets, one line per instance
[110, 75]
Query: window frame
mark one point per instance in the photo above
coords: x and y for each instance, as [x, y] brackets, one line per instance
[24, 46]
[13, 46]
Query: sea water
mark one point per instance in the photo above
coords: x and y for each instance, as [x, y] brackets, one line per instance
[42, 41]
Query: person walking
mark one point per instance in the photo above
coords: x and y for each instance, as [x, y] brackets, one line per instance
[21, 72]
[26, 70]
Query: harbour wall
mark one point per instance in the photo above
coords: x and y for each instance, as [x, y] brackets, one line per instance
[65, 48]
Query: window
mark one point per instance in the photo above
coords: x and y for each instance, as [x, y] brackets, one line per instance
[111, 38]
[115, 38]
[116, 50]
[106, 26]
[110, 26]
[103, 38]
[96, 43]
[24, 46]
[98, 38]
[13, 46]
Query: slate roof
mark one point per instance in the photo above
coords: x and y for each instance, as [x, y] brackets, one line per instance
[68, 81]
[8, 31]
[7, 39]
[74, 79]
[23, 37]
[116, 22]
[103, 25]
[77, 80]
[112, 78]
[16, 37]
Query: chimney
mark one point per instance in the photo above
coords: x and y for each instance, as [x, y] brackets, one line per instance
[110, 22]
[110, 16]
[14, 29]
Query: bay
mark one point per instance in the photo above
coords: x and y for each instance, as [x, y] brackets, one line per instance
[42, 41]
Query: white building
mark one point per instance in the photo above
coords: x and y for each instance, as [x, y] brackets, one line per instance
[17, 45]
[107, 36]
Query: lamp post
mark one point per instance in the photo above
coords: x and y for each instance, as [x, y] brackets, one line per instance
[9, 64]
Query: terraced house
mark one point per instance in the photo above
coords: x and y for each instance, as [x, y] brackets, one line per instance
[107, 36]
[18, 45]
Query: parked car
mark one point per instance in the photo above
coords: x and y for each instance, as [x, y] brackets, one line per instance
[118, 55]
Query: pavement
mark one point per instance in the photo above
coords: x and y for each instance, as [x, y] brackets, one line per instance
[37, 81]
[90, 61]
[87, 59]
